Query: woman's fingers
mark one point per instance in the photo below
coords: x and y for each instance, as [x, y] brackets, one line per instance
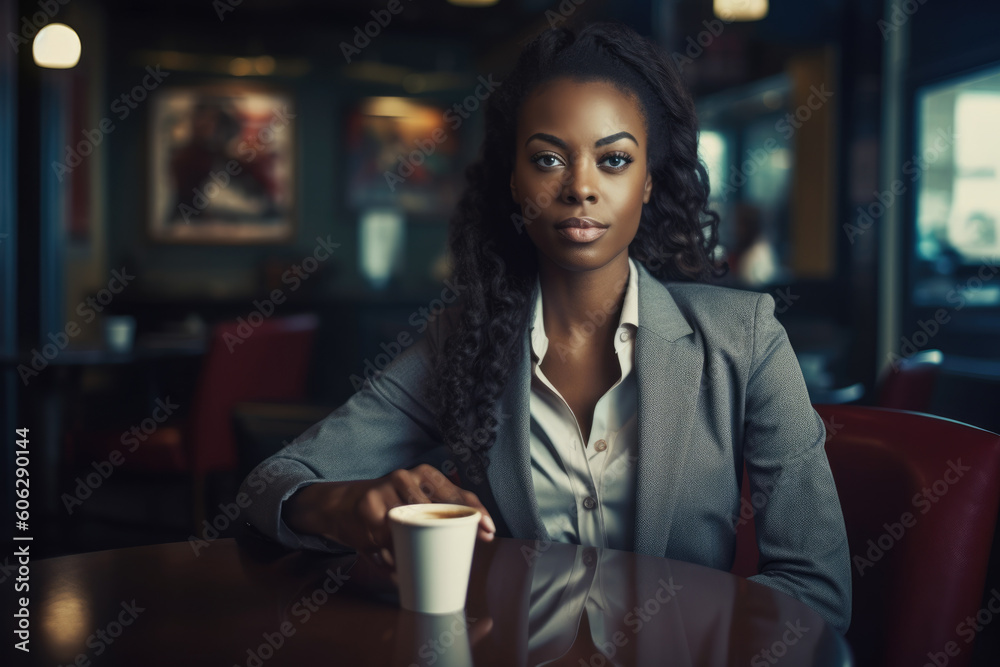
[446, 492]
[487, 529]
[410, 487]
[372, 510]
[356, 513]
[440, 489]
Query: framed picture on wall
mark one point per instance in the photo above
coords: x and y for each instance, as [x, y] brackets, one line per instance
[404, 153]
[222, 164]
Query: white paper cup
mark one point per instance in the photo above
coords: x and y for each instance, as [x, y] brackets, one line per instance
[433, 555]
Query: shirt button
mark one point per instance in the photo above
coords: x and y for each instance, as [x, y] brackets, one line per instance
[623, 336]
[600, 446]
[589, 503]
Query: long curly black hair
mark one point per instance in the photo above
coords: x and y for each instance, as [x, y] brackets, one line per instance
[495, 259]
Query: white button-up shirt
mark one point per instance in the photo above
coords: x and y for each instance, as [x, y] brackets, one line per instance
[586, 494]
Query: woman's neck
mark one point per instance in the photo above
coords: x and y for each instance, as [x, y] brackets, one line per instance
[584, 304]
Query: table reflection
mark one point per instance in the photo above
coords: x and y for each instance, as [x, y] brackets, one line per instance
[529, 603]
[584, 606]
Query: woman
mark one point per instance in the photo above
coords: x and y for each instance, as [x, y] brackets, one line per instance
[588, 387]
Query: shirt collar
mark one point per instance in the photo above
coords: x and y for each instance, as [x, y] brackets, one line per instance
[628, 320]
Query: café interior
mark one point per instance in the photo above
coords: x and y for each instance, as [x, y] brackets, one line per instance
[219, 219]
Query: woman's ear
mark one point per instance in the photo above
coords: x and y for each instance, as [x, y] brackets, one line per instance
[647, 188]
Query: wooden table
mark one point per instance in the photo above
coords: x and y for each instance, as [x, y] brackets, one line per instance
[252, 604]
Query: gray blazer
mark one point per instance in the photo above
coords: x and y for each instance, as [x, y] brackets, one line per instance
[718, 386]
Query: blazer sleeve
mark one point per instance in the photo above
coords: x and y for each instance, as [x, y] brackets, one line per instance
[386, 425]
[800, 527]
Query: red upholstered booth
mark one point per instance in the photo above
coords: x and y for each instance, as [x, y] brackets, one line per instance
[914, 584]
[908, 384]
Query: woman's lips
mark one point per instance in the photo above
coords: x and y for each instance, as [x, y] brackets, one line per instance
[582, 234]
[581, 230]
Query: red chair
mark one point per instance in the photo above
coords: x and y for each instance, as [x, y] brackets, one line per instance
[909, 383]
[915, 581]
[243, 363]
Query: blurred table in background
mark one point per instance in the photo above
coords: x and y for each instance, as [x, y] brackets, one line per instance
[56, 397]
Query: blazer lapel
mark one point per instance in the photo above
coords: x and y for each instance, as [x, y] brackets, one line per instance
[668, 365]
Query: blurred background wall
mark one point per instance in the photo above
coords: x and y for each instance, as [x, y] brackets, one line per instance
[319, 148]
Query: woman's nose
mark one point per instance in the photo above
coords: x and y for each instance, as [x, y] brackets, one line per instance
[578, 184]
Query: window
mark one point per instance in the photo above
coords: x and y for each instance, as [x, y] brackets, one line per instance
[956, 171]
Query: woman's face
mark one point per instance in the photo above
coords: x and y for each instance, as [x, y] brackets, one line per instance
[580, 153]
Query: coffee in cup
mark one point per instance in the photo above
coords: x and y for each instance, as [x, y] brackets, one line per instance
[433, 545]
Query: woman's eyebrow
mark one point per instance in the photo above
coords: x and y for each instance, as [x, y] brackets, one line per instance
[613, 138]
[552, 139]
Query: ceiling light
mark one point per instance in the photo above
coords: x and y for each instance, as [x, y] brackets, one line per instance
[740, 10]
[56, 46]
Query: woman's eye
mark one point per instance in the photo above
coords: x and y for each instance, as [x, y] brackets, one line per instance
[546, 160]
[617, 162]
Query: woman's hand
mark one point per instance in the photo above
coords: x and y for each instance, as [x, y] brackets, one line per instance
[355, 513]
